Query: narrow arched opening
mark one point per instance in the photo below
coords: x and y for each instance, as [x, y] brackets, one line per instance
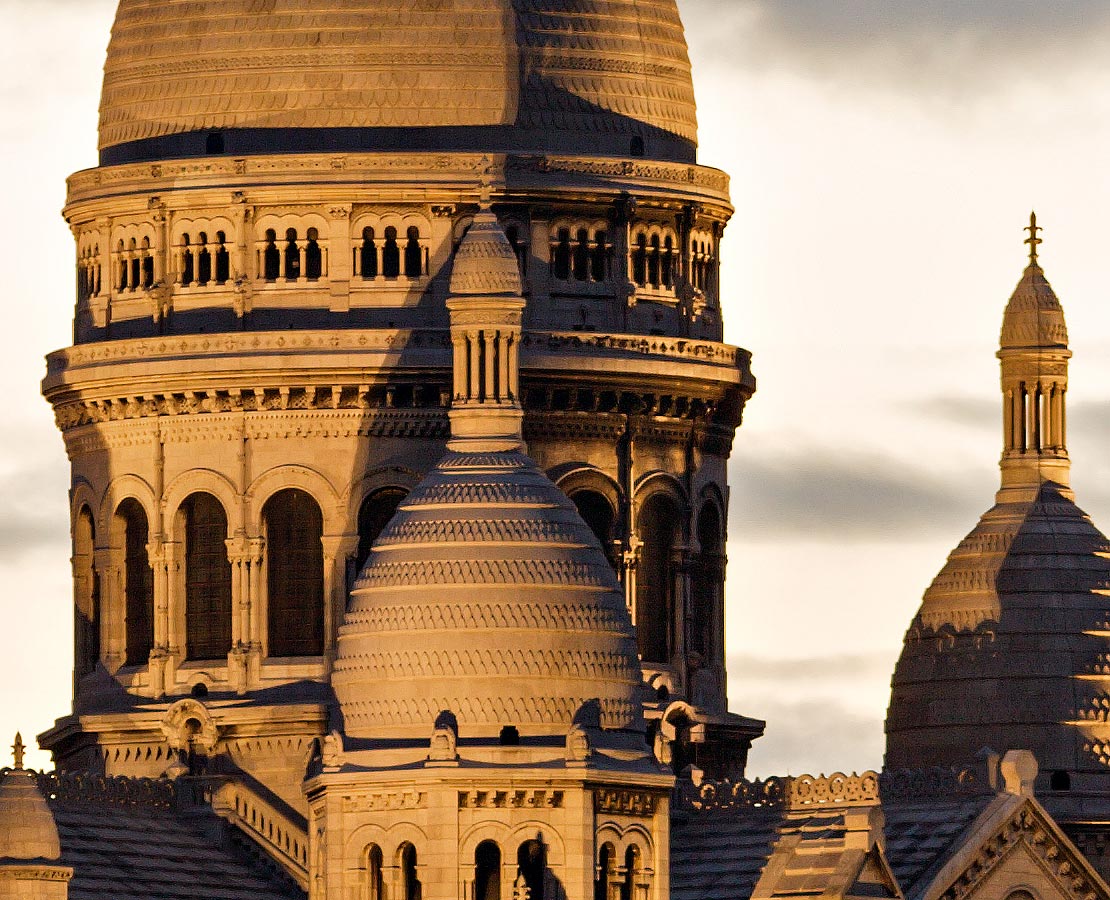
[411, 888]
[654, 262]
[313, 256]
[561, 255]
[391, 254]
[707, 584]
[86, 595]
[148, 265]
[658, 528]
[414, 253]
[138, 582]
[597, 512]
[639, 260]
[292, 255]
[487, 871]
[207, 579]
[606, 872]
[204, 260]
[223, 259]
[633, 873]
[531, 861]
[375, 873]
[368, 254]
[271, 257]
[582, 255]
[294, 529]
[373, 515]
[599, 257]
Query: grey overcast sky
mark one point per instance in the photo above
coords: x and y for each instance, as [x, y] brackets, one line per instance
[885, 156]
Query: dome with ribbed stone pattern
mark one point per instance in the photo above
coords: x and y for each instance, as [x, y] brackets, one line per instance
[489, 596]
[539, 70]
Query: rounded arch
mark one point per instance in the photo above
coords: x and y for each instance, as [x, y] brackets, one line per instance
[200, 481]
[359, 489]
[536, 830]
[359, 840]
[657, 481]
[202, 524]
[308, 480]
[122, 488]
[193, 226]
[83, 496]
[573, 477]
[299, 222]
[488, 862]
[131, 534]
[659, 528]
[86, 590]
[498, 832]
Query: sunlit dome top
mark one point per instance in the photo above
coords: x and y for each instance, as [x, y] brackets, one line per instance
[469, 75]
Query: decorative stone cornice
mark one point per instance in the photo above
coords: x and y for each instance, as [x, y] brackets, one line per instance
[81, 789]
[803, 791]
[625, 802]
[511, 798]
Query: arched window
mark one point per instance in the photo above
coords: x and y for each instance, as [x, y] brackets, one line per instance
[487, 871]
[121, 256]
[633, 872]
[374, 514]
[313, 256]
[292, 255]
[271, 257]
[606, 871]
[138, 581]
[86, 592]
[598, 513]
[148, 265]
[368, 254]
[582, 255]
[187, 269]
[391, 254]
[414, 254]
[375, 877]
[294, 574]
[655, 612]
[531, 861]
[654, 262]
[410, 881]
[707, 583]
[223, 259]
[668, 262]
[136, 266]
[560, 255]
[204, 260]
[639, 260]
[599, 257]
[207, 579]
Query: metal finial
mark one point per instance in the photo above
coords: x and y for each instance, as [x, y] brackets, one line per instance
[1033, 240]
[18, 749]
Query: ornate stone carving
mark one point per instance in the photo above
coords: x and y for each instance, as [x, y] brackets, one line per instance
[625, 803]
[511, 799]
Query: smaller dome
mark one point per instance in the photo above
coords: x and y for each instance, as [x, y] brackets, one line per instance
[27, 828]
[487, 595]
[485, 263]
[1034, 316]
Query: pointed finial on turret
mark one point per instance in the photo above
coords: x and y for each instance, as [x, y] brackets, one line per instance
[18, 750]
[1033, 240]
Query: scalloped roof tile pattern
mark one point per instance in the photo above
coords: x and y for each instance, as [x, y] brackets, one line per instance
[596, 66]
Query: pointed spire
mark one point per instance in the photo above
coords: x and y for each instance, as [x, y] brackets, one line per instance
[1034, 241]
[18, 751]
[1034, 355]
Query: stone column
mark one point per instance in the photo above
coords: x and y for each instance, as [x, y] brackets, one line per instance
[337, 550]
[161, 556]
[112, 638]
[337, 252]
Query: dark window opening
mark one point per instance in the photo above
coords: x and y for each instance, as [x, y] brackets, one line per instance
[414, 254]
[668, 263]
[313, 256]
[599, 258]
[186, 262]
[375, 873]
[639, 261]
[207, 579]
[138, 583]
[391, 254]
[214, 143]
[632, 870]
[369, 254]
[87, 610]
[374, 514]
[487, 871]
[204, 260]
[605, 872]
[410, 883]
[598, 513]
[1060, 781]
[707, 583]
[636, 146]
[655, 611]
[532, 861]
[294, 574]
[560, 261]
[292, 255]
[510, 736]
[200, 690]
[582, 255]
[654, 262]
[223, 259]
[271, 257]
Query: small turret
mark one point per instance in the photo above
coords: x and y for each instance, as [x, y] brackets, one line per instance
[29, 844]
[1034, 354]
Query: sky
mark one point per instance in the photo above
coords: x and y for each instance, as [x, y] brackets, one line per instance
[885, 156]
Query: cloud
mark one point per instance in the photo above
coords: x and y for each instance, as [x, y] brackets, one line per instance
[815, 737]
[816, 494]
[749, 670]
[31, 522]
[953, 47]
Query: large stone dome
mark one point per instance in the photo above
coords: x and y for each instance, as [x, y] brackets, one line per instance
[489, 596]
[488, 75]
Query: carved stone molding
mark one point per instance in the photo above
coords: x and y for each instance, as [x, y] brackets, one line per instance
[625, 803]
[510, 799]
[385, 800]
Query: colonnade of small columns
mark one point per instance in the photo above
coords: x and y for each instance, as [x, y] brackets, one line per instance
[486, 365]
[1035, 417]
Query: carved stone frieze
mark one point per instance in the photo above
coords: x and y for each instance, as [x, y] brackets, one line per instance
[385, 800]
[625, 803]
[513, 798]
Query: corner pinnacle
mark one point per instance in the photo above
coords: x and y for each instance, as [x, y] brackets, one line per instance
[18, 750]
[1033, 240]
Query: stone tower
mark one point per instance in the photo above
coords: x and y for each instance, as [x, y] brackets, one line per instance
[492, 739]
[1009, 648]
[262, 360]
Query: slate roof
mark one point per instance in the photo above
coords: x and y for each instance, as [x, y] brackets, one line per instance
[130, 839]
[719, 855]
[920, 836]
